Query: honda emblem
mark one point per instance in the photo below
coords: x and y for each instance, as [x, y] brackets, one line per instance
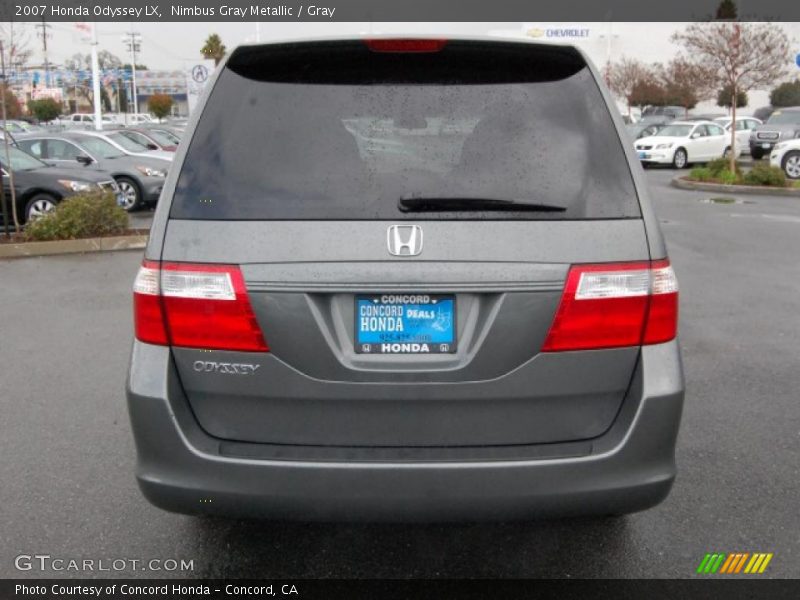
[404, 240]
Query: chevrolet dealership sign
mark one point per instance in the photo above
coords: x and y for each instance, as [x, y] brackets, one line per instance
[557, 32]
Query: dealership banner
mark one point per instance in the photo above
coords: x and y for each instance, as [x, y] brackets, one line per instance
[387, 10]
[197, 75]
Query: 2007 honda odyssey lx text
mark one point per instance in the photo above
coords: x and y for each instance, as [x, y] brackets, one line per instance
[405, 279]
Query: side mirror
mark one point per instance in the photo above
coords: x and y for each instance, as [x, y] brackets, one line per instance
[695, 136]
[84, 160]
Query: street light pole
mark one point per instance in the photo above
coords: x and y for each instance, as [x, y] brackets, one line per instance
[98, 124]
[133, 40]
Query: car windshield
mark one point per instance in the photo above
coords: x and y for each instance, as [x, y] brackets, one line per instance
[165, 138]
[127, 143]
[783, 118]
[21, 161]
[321, 134]
[675, 131]
[100, 147]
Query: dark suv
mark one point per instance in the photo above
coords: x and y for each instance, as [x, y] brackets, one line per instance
[375, 289]
[783, 124]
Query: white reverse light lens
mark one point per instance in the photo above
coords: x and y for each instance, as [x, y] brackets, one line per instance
[664, 281]
[610, 284]
[146, 282]
[197, 284]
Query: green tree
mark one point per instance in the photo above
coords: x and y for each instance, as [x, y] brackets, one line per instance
[786, 94]
[160, 105]
[725, 97]
[726, 10]
[214, 48]
[45, 109]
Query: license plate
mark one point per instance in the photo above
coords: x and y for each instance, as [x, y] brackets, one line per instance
[405, 324]
[765, 145]
[642, 155]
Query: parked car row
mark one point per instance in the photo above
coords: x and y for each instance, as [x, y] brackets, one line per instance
[684, 142]
[49, 166]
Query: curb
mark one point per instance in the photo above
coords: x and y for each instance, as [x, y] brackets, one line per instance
[680, 182]
[103, 244]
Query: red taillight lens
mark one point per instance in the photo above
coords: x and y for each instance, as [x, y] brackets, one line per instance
[614, 305]
[418, 46]
[195, 306]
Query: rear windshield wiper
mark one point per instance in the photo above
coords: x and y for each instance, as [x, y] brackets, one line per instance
[467, 203]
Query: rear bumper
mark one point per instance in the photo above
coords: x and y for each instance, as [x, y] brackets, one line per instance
[180, 468]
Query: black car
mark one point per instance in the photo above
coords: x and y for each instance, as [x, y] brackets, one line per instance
[39, 186]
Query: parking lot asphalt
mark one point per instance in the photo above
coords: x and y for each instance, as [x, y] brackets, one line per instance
[67, 471]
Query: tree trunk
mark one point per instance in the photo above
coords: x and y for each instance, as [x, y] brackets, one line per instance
[732, 154]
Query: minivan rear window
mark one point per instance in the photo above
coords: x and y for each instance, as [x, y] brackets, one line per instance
[337, 131]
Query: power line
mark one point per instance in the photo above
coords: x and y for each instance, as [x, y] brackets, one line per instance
[133, 41]
[44, 35]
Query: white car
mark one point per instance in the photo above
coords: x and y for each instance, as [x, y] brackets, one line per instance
[744, 126]
[786, 155]
[684, 142]
[128, 146]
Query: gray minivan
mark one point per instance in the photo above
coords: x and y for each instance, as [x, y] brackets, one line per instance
[405, 279]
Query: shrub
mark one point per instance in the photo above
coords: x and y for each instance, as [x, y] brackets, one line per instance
[701, 174]
[727, 177]
[160, 105]
[786, 94]
[80, 216]
[718, 165]
[765, 175]
[45, 109]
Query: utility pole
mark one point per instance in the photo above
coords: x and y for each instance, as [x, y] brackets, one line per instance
[134, 42]
[5, 143]
[44, 35]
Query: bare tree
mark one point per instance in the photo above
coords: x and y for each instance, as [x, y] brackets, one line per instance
[684, 83]
[83, 62]
[738, 56]
[625, 76]
[16, 44]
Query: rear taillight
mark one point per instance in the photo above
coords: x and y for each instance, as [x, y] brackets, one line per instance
[615, 304]
[195, 306]
[400, 45]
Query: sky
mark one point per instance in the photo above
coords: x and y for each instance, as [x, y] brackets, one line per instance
[176, 45]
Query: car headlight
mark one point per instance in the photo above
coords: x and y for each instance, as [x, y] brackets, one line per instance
[78, 186]
[663, 146]
[151, 172]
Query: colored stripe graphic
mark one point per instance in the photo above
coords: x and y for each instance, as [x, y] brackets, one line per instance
[703, 563]
[742, 558]
[765, 563]
[735, 563]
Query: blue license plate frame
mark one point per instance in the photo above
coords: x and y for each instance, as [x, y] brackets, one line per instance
[405, 323]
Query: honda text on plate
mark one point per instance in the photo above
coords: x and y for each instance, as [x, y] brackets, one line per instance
[375, 290]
